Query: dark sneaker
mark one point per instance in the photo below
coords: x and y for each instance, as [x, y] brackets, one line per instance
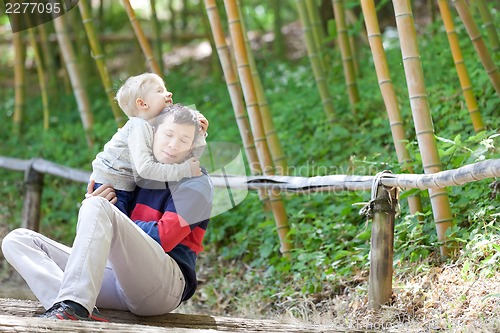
[62, 311]
[97, 316]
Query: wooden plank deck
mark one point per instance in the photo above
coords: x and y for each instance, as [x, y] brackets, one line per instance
[17, 316]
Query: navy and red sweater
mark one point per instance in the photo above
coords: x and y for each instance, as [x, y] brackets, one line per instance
[176, 215]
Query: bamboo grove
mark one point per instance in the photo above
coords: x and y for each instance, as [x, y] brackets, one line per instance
[247, 94]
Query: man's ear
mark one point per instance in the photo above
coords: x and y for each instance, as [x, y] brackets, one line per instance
[140, 103]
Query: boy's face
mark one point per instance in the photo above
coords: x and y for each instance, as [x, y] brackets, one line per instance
[172, 142]
[155, 99]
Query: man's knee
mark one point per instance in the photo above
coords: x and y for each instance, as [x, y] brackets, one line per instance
[95, 201]
[95, 210]
[11, 239]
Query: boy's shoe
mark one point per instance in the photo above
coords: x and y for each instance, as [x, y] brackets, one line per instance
[64, 311]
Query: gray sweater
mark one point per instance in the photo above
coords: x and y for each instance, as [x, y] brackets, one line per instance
[129, 156]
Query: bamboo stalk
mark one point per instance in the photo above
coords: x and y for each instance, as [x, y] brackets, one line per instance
[279, 40]
[313, 55]
[141, 37]
[75, 77]
[235, 93]
[173, 19]
[346, 53]
[432, 9]
[100, 16]
[99, 56]
[389, 95]
[278, 157]
[215, 61]
[316, 29]
[351, 19]
[250, 96]
[478, 42]
[184, 14]
[421, 116]
[489, 25]
[156, 34]
[48, 56]
[41, 78]
[463, 75]
[81, 44]
[20, 82]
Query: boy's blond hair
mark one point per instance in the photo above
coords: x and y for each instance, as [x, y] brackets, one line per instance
[133, 88]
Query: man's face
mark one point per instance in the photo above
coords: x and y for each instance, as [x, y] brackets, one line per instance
[172, 142]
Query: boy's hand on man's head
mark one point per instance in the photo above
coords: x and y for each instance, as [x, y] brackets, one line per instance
[203, 122]
[194, 164]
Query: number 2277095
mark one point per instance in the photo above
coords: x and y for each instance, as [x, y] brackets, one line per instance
[32, 8]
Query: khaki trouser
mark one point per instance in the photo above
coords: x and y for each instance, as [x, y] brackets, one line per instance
[113, 264]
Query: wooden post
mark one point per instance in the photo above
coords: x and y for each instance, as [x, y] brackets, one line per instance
[382, 247]
[33, 184]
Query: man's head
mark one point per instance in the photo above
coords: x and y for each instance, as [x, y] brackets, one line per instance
[143, 96]
[176, 129]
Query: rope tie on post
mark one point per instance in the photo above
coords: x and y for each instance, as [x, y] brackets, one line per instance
[379, 204]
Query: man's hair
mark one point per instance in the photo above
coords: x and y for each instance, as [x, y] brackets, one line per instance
[133, 88]
[180, 114]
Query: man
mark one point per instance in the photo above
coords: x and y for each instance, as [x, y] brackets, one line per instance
[144, 264]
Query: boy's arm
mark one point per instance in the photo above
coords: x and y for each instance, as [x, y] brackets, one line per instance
[140, 143]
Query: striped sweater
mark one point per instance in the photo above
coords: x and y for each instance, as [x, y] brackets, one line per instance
[176, 215]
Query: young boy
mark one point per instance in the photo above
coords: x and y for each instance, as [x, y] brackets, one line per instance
[128, 155]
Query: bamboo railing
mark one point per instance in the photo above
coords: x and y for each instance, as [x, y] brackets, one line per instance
[422, 120]
[381, 208]
[463, 75]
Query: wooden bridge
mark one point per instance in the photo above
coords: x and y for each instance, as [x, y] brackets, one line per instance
[17, 316]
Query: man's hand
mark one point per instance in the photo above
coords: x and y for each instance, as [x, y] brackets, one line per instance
[105, 191]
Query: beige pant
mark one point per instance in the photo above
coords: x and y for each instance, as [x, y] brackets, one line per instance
[113, 264]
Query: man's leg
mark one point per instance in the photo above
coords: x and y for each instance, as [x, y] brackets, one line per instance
[39, 260]
[148, 280]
